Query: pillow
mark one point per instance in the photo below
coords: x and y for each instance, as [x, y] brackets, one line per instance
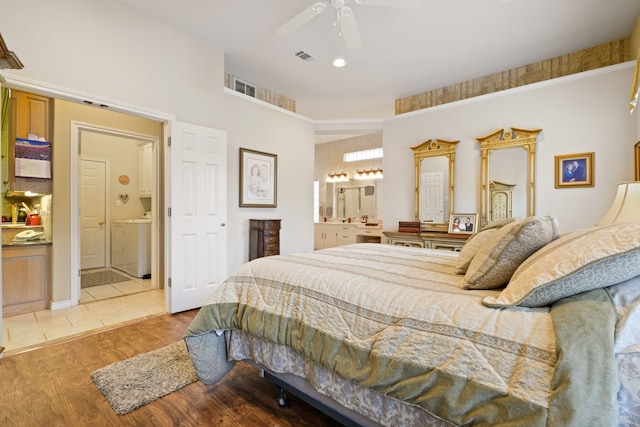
[471, 247]
[576, 262]
[498, 224]
[496, 261]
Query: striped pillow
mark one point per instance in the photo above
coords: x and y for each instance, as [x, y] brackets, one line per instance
[497, 260]
[576, 262]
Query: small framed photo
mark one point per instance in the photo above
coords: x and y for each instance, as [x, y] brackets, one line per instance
[465, 223]
[258, 179]
[575, 170]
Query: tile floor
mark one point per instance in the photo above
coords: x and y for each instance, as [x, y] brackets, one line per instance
[100, 306]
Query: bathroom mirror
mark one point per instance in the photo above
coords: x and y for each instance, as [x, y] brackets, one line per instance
[434, 181]
[357, 198]
[507, 174]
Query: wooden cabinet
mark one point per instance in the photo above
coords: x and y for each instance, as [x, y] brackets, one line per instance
[368, 234]
[328, 235]
[264, 237]
[29, 114]
[324, 236]
[145, 173]
[26, 279]
[429, 240]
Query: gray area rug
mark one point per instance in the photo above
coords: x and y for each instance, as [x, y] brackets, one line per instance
[134, 382]
[98, 278]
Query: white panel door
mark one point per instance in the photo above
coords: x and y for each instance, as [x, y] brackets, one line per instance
[198, 194]
[92, 213]
[432, 197]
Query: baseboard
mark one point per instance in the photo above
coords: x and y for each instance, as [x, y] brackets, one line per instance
[60, 305]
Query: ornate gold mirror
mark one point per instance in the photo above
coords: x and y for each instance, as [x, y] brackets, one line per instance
[434, 180]
[513, 170]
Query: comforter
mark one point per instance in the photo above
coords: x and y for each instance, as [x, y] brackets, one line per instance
[397, 320]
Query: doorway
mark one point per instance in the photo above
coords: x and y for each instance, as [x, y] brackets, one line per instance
[121, 199]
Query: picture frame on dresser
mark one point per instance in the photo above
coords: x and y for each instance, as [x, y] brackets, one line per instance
[574, 170]
[258, 179]
[463, 223]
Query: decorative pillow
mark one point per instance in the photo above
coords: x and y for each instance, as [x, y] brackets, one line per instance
[498, 224]
[496, 261]
[471, 247]
[576, 262]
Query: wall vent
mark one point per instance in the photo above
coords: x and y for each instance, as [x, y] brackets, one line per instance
[303, 55]
[244, 87]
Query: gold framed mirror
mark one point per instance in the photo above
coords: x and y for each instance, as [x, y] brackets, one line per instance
[637, 161]
[434, 167]
[501, 140]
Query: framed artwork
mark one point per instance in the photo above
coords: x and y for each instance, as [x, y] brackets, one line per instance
[637, 162]
[465, 223]
[258, 179]
[574, 170]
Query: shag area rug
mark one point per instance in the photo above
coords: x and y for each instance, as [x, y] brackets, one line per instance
[134, 382]
[98, 278]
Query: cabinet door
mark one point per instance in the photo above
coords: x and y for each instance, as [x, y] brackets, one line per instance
[145, 172]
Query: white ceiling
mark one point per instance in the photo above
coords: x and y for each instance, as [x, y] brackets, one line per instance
[404, 52]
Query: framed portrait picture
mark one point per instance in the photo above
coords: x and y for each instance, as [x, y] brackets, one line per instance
[258, 179]
[465, 223]
[574, 170]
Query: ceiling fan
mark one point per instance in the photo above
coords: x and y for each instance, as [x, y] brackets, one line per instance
[343, 17]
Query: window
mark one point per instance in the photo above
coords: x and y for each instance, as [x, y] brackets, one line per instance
[354, 156]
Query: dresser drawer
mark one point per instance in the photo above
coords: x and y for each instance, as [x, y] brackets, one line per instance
[264, 238]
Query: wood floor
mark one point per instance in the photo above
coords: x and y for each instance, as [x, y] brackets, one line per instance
[50, 386]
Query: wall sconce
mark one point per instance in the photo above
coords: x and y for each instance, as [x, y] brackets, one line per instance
[370, 174]
[338, 177]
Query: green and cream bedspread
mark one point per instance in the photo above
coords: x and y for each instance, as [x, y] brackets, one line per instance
[397, 321]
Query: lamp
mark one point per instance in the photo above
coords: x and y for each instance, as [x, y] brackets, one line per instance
[625, 206]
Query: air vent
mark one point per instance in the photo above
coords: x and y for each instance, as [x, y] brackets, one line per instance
[244, 87]
[303, 55]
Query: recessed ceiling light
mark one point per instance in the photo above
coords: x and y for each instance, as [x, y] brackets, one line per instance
[339, 62]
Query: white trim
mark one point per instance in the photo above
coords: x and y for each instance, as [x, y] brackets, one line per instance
[52, 91]
[266, 104]
[60, 305]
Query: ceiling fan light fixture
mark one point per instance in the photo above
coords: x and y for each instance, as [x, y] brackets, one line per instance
[339, 62]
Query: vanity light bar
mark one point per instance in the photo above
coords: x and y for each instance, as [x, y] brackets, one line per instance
[370, 174]
[338, 177]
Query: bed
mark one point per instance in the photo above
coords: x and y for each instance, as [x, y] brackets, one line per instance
[522, 327]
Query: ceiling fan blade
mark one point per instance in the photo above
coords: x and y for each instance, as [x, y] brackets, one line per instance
[349, 29]
[301, 18]
[402, 4]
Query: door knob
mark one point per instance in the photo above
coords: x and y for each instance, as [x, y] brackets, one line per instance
[100, 222]
[223, 224]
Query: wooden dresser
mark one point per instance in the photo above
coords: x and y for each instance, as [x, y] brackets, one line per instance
[264, 237]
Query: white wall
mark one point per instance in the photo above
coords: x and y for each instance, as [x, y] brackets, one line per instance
[581, 113]
[104, 49]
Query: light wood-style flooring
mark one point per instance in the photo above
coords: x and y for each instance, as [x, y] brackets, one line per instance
[51, 386]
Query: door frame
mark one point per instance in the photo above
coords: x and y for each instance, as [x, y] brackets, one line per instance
[77, 128]
[107, 207]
